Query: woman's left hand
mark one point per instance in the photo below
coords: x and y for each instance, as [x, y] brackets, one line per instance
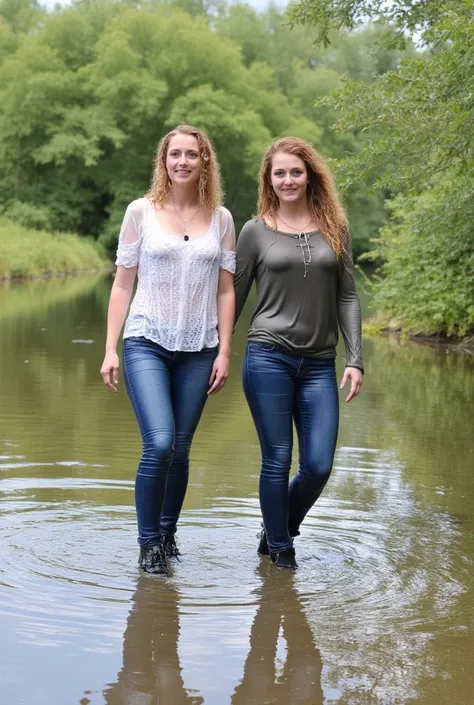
[356, 377]
[219, 374]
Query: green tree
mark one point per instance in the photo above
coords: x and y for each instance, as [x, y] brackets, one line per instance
[420, 121]
[21, 15]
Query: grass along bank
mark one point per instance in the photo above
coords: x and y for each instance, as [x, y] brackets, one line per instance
[35, 253]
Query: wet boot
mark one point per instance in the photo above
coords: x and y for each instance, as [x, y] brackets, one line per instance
[170, 548]
[153, 560]
[263, 549]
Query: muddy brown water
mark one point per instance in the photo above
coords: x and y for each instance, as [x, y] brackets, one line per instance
[380, 611]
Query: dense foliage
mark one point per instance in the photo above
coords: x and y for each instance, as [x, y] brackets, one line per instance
[86, 91]
[420, 122]
[27, 253]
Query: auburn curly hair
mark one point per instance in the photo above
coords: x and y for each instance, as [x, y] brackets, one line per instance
[323, 201]
[210, 187]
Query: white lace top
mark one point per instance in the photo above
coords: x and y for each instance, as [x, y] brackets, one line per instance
[175, 304]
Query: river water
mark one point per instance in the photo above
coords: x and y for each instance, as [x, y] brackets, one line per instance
[381, 609]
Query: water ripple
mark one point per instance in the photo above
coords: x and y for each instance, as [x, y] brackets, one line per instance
[368, 560]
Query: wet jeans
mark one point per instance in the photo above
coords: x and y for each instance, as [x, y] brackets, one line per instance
[168, 392]
[282, 388]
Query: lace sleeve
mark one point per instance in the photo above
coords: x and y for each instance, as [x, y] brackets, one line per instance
[128, 249]
[227, 260]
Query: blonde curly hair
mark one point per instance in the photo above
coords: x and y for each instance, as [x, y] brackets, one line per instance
[323, 201]
[210, 187]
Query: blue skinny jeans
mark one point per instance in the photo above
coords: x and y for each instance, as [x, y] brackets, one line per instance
[281, 388]
[168, 391]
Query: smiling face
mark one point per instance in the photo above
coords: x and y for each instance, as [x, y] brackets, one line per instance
[183, 161]
[289, 177]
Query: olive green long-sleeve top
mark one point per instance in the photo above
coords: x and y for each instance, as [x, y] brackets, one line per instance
[298, 314]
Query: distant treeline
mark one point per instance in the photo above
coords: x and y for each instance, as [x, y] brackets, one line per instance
[87, 91]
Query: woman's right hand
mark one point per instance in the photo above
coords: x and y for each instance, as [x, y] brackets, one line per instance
[110, 370]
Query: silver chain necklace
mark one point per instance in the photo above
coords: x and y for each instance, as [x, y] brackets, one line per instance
[185, 222]
[303, 243]
[292, 227]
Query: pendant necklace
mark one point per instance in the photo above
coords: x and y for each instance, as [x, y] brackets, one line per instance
[303, 244]
[185, 222]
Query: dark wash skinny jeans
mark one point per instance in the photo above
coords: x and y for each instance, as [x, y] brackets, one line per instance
[281, 388]
[168, 391]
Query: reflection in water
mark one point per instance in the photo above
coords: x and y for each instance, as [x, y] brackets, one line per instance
[273, 673]
[298, 680]
[34, 297]
[151, 671]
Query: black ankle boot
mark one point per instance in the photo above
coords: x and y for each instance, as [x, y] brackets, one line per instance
[263, 544]
[169, 547]
[284, 559]
[153, 560]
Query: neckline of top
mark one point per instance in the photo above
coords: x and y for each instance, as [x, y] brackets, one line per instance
[284, 232]
[180, 238]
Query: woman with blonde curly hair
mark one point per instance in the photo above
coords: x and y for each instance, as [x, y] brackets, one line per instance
[176, 350]
[298, 252]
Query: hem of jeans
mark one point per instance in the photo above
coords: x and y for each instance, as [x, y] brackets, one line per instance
[149, 542]
[280, 550]
[173, 532]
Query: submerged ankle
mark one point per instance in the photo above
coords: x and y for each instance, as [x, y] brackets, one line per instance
[285, 558]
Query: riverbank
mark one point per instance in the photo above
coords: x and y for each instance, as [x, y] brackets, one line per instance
[378, 327]
[26, 253]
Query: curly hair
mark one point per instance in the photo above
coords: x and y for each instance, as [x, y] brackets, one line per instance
[210, 187]
[323, 201]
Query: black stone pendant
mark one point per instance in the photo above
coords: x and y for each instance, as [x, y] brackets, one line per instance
[186, 238]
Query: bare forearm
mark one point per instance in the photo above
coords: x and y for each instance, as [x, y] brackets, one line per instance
[225, 319]
[118, 307]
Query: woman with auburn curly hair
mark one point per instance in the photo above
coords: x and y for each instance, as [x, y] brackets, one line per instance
[298, 252]
[176, 349]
